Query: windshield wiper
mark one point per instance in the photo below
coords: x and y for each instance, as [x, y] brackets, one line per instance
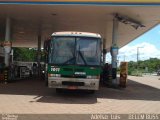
[73, 58]
[80, 53]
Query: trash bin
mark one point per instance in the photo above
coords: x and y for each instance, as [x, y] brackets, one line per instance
[123, 80]
[123, 74]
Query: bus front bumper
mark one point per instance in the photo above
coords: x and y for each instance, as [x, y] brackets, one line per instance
[73, 83]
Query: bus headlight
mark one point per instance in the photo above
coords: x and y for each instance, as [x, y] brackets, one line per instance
[54, 75]
[92, 77]
[92, 83]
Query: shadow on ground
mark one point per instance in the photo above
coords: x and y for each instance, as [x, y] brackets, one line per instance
[134, 91]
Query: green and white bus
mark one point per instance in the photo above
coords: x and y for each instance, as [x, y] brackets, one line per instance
[73, 60]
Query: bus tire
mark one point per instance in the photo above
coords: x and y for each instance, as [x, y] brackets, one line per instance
[91, 91]
[46, 83]
[59, 90]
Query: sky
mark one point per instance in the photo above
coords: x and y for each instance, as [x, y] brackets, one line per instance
[148, 46]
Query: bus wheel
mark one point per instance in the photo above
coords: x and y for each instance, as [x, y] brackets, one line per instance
[59, 90]
[46, 83]
[91, 91]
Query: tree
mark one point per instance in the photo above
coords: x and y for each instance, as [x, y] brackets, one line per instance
[153, 64]
[24, 54]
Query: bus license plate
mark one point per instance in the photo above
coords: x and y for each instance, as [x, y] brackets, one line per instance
[72, 87]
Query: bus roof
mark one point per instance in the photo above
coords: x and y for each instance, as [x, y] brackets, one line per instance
[81, 34]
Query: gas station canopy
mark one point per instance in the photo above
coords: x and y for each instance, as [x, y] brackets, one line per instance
[31, 17]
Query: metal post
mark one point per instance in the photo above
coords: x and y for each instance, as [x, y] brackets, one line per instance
[104, 51]
[114, 50]
[12, 52]
[138, 59]
[39, 55]
[115, 31]
[7, 39]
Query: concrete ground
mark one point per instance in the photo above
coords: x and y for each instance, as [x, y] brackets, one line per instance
[142, 95]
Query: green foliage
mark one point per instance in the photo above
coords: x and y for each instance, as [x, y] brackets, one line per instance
[147, 66]
[24, 54]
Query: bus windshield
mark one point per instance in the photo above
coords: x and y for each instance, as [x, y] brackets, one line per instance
[74, 51]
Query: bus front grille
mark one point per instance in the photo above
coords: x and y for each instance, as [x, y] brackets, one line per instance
[73, 83]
